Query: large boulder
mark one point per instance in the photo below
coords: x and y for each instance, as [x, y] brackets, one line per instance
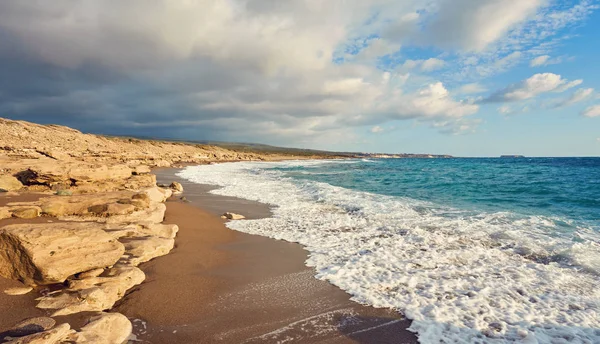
[48, 253]
[9, 183]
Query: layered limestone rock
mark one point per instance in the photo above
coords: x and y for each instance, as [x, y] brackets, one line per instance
[143, 229]
[93, 293]
[47, 253]
[141, 250]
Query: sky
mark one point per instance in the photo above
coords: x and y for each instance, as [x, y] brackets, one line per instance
[460, 77]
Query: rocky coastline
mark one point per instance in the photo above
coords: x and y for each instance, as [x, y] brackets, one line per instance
[93, 215]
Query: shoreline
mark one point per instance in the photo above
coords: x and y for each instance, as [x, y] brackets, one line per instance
[243, 288]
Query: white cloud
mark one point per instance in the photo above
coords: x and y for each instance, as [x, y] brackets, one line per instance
[432, 64]
[472, 88]
[377, 129]
[473, 25]
[532, 87]
[291, 69]
[460, 127]
[569, 85]
[428, 65]
[577, 96]
[505, 110]
[540, 61]
[592, 111]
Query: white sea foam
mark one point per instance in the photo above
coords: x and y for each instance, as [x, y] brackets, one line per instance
[461, 277]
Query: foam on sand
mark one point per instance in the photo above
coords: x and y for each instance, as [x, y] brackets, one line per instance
[462, 277]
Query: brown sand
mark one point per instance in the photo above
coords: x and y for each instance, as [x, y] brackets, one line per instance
[222, 286]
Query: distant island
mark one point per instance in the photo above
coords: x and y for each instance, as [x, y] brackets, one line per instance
[512, 156]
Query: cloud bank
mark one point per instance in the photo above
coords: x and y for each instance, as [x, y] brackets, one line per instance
[297, 71]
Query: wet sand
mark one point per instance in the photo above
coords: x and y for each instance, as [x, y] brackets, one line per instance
[222, 286]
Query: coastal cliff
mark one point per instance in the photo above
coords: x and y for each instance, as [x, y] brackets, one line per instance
[78, 214]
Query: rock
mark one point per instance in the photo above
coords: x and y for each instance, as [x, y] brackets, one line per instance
[156, 194]
[142, 250]
[140, 181]
[5, 213]
[154, 214]
[176, 186]
[93, 294]
[26, 213]
[55, 154]
[47, 253]
[142, 230]
[111, 209]
[86, 205]
[106, 328]
[18, 291]
[232, 216]
[184, 199]
[141, 169]
[50, 172]
[52, 336]
[91, 273]
[140, 201]
[30, 326]
[9, 183]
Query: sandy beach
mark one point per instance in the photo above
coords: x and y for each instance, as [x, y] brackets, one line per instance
[222, 286]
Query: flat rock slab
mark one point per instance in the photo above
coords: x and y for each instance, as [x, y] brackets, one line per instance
[48, 253]
[145, 249]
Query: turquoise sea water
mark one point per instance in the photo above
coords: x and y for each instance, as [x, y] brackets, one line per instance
[566, 189]
[500, 250]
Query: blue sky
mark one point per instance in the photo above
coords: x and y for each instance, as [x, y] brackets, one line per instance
[462, 77]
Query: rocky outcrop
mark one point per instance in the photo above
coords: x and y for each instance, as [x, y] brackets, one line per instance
[47, 253]
[104, 190]
[9, 183]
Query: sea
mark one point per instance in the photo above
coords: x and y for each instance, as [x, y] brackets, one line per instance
[472, 250]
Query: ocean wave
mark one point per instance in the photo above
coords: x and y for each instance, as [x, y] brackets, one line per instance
[460, 276]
